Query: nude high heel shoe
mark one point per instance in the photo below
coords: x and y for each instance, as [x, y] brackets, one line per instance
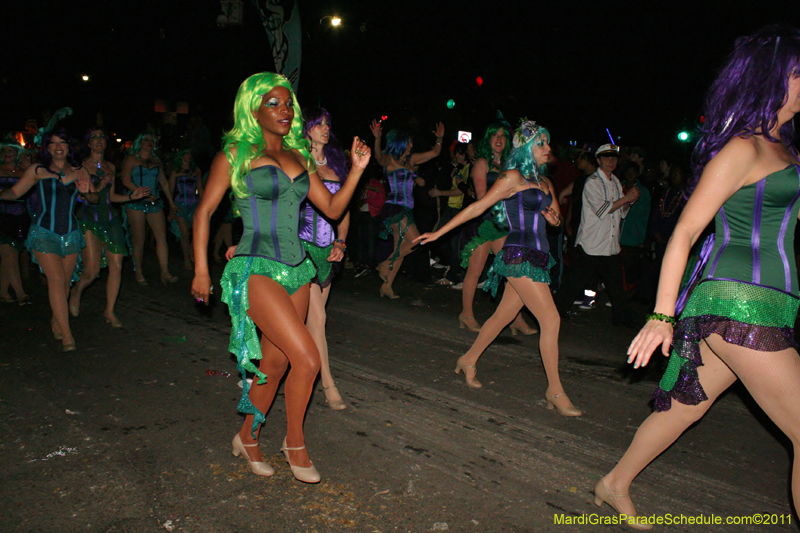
[306, 474]
[468, 322]
[259, 468]
[471, 381]
[335, 405]
[569, 410]
[602, 495]
[385, 292]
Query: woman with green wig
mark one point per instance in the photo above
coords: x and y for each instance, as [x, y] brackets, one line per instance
[266, 161]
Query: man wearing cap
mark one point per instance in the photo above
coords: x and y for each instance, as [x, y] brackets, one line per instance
[597, 243]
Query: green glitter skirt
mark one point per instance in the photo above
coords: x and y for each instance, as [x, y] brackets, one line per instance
[748, 315]
[518, 262]
[110, 233]
[244, 343]
[326, 270]
[487, 232]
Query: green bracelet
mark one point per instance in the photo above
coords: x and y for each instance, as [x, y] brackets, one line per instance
[663, 318]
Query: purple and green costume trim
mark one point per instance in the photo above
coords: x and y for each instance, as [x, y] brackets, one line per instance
[748, 293]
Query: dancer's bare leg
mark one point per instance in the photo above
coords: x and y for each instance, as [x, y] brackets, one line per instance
[316, 327]
[285, 339]
[58, 271]
[90, 254]
[186, 243]
[9, 271]
[406, 247]
[470, 284]
[661, 429]
[538, 299]
[508, 308]
[136, 221]
[158, 223]
[112, 285]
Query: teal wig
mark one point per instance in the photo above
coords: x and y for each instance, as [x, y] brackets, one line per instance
[245, 140]
[137, 144]
[521, 158]
[177, 163]
[17, 149]
[484, 145]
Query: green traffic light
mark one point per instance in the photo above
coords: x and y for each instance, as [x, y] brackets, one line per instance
[451, 104]
[683, 136]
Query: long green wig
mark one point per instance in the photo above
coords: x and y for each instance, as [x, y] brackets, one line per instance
[245, 141]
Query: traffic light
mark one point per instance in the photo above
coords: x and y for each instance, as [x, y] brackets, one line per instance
[451, 104]
[683, 136]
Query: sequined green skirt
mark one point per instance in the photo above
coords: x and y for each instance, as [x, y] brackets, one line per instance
[487, 232]
[753, 316]
[244, 342]
[110, 233]
[326, 270]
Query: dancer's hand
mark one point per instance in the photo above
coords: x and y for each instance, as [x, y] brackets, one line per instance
[201, 288]
[229, 252]
[654, 334]
[140, 193]
[376, 128]
[104, 182]
[337, 253]
[83, 183]
[360, 153]
[553, 218]
[426, 238]
[439, 131]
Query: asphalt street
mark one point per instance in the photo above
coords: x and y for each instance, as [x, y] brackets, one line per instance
[132, 432]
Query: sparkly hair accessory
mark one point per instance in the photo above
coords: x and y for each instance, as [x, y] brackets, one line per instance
[527, 130]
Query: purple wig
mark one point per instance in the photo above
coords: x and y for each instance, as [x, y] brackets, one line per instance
[333, 151]
[751, 88]
[72, 155]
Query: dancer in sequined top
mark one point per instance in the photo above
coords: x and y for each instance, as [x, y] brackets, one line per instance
[400, 166]
[526, 204]
[266, 161]
[106, 242]
[187, 188]
[55, 237]
[738, 320]
[14, 224]
[142, 168]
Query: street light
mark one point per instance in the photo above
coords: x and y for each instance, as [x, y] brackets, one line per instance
[85, 77]
[335, 20]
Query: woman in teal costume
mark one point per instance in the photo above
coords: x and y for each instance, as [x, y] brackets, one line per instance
[55, 238]
[186, 186]
[102, 229]
[266, 161]
[14, 223]
[400, 166]
[525, 201]
[142, 168]
[738, 321]
[493, 151]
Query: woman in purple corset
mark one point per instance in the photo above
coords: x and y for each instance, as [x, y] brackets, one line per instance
[187, 187]
[738, 319]
[524, 199]
[400, 166]
[324, 245]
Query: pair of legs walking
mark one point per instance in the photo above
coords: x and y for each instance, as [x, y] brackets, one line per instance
[537, 298]
[285, 343]
[92, 253]
[58, 271]
[158, 224]
[389, 268]
[772, 378]
[315, 322]
[10, 276]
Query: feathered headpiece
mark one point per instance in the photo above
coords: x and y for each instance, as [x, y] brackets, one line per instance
[57, 117]
[527, 130]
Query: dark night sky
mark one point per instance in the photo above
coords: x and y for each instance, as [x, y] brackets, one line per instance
[640, 71]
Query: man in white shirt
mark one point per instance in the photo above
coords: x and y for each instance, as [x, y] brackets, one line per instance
[597, 243]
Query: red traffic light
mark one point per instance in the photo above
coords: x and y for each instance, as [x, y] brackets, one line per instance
[479, 81]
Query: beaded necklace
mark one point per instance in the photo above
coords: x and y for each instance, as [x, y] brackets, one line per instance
[674, 204]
